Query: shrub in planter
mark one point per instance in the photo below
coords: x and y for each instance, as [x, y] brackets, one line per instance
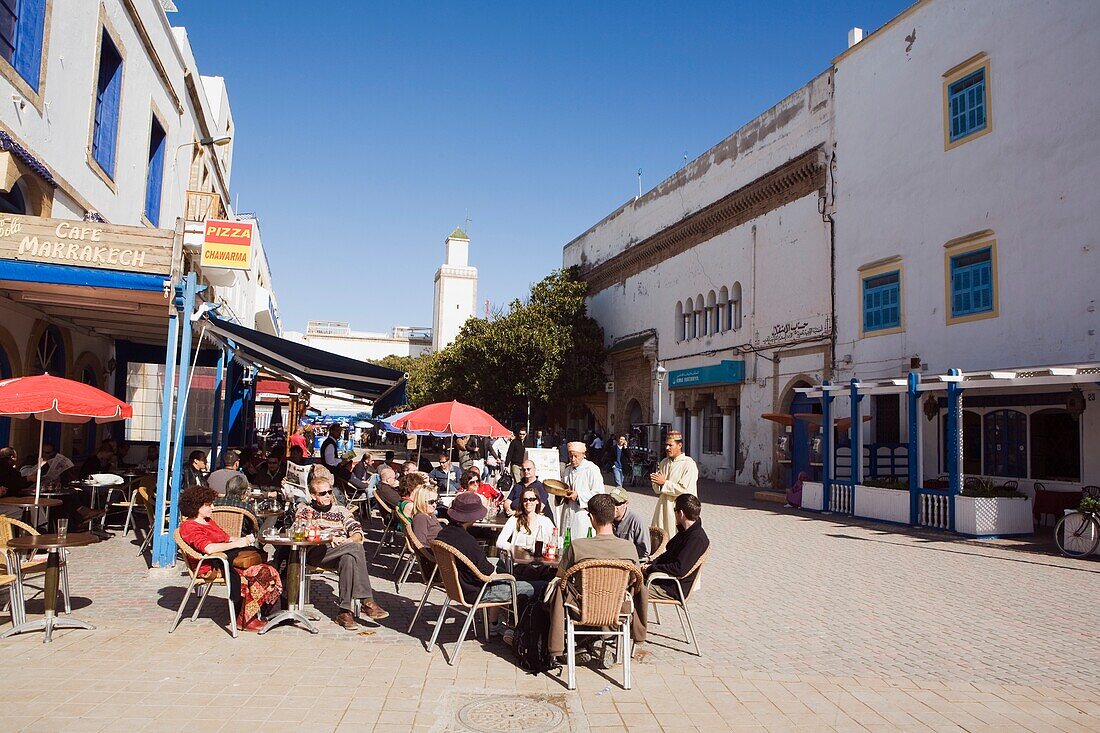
[896, 484]
[983, 488]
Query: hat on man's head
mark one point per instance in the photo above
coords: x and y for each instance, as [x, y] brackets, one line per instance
[674, 435]
[466, 507]
[576, 446]
[618, 496]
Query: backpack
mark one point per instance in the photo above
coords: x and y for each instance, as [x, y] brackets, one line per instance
[530, 642]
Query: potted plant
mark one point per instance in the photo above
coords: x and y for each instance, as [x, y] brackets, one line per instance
[985, 509]
[885, 499]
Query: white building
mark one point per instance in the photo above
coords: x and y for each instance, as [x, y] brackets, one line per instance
[338, 338]
[717, 275]
[966, 224]
[111, 136]
[455, 291]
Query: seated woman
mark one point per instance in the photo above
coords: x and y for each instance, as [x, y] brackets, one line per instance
[425, 525]
[237, 490]
[794, 493]
[527, 524]
[471, 481]
[253, 589]
[406, 487]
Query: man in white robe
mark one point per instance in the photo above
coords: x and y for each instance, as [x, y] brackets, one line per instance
[584, 480]
[676, 474]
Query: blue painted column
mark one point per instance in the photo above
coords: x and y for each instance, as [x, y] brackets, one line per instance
[167, 404]
[857, 439]
[913, 407]
[954, 444]
[190, 290]
[215, 427]
[826, 445]
[235, 401]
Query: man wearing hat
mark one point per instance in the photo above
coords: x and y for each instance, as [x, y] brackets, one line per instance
[584, 479]
[676, 474]
[463, 512]
[628, 525]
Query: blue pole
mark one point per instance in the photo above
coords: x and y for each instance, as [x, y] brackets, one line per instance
[914, 446]
[233, 404]
[215, 427]
[189, 292]
[166, 406]
[955, 444]
[826, 445]
[857, 440]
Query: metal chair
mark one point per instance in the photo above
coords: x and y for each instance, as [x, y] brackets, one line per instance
[388, 517]
[603, 600]
[680, 601]
[446, 559]
[429, 569]
[203, 584]
[406, 526]
[28, 564]
[150, 484]
[231, 520]
[412, 553]
[146, 497]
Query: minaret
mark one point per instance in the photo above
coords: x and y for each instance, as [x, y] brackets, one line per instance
[455, 291]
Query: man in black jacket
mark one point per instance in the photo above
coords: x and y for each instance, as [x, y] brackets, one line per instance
[682, 551]
[517, 451]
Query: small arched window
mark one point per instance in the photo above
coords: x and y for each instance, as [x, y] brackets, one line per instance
[679, 321]
[49, 357]
[721, 323]
[698, 327]
[734, 308]
[708, 321]
[688, 307]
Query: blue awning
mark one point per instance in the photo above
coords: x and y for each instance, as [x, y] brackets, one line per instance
[324, 372]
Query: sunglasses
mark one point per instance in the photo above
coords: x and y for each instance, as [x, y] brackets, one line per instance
[322, 493]
[530, 499]
[432, 501]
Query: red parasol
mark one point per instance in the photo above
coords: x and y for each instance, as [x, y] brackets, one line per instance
[53, 399]
[453, 418]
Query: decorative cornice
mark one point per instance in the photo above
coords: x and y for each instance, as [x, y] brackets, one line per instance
[791, 181]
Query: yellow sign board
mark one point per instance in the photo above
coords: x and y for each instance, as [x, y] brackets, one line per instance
[228, 244]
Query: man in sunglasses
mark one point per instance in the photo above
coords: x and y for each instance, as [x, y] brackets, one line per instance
[530, 481]
[345, 551]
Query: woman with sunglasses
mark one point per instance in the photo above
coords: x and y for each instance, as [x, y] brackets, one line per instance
[526, 524]
[425, 525]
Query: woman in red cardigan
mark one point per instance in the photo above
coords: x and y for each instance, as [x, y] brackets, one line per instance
[261, 587]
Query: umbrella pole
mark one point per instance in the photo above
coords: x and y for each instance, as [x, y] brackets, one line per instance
[38, 473]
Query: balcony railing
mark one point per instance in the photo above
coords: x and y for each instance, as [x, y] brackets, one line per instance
[203, 205]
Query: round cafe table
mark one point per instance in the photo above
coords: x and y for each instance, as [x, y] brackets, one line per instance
[53, 544]
[296, 578]
[27, 503]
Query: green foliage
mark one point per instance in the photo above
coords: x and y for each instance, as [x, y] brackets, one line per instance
[983, 488]
[1089, 505]
[887, 483]
[545, 348]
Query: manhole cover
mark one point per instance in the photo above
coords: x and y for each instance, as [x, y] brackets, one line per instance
[514, 713]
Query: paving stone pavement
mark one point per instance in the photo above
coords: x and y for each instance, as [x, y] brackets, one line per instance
[806, 623]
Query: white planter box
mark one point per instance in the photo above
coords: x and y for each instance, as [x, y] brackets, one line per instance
[993, 517]
[888, 505]
[812, 495]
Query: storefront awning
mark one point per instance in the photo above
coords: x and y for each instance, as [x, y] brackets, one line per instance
[323, 372]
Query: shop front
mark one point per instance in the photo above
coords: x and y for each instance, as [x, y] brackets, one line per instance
[706, 407]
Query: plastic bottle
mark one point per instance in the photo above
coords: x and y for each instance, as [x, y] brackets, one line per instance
[551, 550]
[568, 539]
[591, 532]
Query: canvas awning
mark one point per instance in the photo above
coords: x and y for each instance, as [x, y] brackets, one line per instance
[319, 371]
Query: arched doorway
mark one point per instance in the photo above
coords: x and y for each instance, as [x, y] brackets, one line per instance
[634, 410]
[801, 433]
[49, 358]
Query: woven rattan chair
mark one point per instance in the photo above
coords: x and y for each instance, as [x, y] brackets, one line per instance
[406, 525]
[202, 585]
[150, 484]
[658, 538]
[15, 600]
[605, 601]
[389, 517]
[231, 520]
[447, 559]
[429, 570]
[680, 601]
[146, 497]
[27, 563]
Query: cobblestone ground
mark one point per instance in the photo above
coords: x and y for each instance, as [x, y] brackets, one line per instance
[806, 623]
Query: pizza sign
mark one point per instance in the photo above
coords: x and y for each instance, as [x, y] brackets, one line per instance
[228, 244]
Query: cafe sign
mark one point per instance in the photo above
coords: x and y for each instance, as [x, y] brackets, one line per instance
[228, 244]
[724, 372]
[85, 244]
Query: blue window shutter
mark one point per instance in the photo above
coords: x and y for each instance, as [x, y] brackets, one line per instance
[155, 174]
[28, 44]
[108, 96]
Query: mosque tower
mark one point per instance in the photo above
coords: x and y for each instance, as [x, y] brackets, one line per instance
[455, 291]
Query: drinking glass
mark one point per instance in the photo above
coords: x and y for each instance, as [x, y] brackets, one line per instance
[62, 527]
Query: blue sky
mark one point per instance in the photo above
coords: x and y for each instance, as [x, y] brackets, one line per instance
[366, 131]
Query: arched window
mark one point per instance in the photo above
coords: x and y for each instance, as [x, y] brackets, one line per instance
[688, 318]
[13, 201]
[1005, 443]
[698, 329]
[5, 422]
[720, 322]
[49, 356]
[734, 308]
[708, 320]
[679, 321]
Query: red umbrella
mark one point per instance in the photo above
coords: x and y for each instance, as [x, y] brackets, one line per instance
[454, 418]
[53, 399]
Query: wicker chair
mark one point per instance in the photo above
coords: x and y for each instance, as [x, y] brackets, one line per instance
[658, 538]
[429, 570]
[231, 520]
[28, 563]
[15, 599]
[147, 498]
[406, 525]
[389, 517]
[446, 558]
[605, 589]
[680, 601]
[202, 585]
[150, 485]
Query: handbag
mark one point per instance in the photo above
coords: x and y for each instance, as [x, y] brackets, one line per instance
[246, 557]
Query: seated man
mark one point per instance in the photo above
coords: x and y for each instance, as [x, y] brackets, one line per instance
[297, 455]
[682, 551]
[603, 546]
[387, 486]
[271, 473]
[628, 525]
[231, 466]
[345, 550]
[447, 476]
[53, 465]
[530, 481]
[463, 512]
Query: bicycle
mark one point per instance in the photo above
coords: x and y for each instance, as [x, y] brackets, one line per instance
[1077, 534]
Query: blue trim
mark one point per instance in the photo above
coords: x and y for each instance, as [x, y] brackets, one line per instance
[882, 301]
[966, 105]
[857, 439]
[30, 28]
[972, 282]
[189, 292]
[955, 447]
[37, 272]
[826, 445]
[155, 175]
[107, 99]
[164, 550]
[913, 406]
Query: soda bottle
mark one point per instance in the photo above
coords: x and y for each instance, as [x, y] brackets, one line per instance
[552, 545]
[591, 532]
[568, 539]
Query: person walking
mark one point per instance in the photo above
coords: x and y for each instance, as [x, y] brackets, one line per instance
[618, 464]
[676, 474]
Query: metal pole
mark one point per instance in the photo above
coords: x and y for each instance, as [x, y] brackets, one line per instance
[826, 445]
[528, 415]
[857, 438]
[914, 446]
[189, 292]
[955, 447]
[167, 405]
